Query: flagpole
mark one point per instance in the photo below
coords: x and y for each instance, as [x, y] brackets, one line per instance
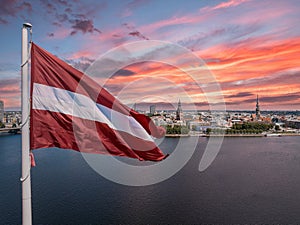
[26, 181]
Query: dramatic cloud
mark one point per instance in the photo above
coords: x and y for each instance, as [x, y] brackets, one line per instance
[124, 72]
[133, 32]
[85, 26]
[241, 94]
[12, 8]
[295, 97]
[234, 63]
[138, 34]
[63, 13]
[236, 68]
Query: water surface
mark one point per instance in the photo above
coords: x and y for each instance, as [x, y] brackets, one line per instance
[252, 181]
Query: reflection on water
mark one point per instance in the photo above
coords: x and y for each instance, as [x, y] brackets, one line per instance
[252, 180]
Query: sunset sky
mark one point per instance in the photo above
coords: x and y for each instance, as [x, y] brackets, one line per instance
[249, 47]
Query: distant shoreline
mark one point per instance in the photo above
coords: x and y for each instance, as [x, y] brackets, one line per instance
[229, 135]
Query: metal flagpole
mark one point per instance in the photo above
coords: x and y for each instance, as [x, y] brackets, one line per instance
[26, 181]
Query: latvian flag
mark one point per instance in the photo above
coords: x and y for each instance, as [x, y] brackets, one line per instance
[69, 110]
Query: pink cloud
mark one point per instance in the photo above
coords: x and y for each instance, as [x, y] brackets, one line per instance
[222, 5]
[10, 92]
[175, 20]
[262, 13]
[80, 54]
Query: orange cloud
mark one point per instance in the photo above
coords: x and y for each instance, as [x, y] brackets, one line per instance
[269, 69]
[251, 58]
[10, 93]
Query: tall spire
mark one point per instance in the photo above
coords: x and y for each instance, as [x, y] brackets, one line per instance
[179, 111]
[257, 109]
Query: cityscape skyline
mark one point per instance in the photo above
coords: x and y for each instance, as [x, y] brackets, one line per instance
[255, 52]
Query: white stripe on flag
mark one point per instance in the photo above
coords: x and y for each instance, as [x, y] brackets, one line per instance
[63, 101]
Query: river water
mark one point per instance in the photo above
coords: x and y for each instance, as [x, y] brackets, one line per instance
[253, 180]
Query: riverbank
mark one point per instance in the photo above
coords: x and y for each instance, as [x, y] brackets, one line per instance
[178, 135]
[234, 135]
[254, 135]
[231, 135]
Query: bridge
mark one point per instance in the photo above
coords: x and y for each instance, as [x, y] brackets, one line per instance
[13, 130]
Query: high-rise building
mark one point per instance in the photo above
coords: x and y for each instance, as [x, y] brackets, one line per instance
[152, 109]
[257, 111]
[179, 111]
[1, 110]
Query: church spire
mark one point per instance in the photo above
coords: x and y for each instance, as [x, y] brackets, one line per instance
[179, 111]
[257, 111]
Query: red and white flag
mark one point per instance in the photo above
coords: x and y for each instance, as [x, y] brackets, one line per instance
[69, 110]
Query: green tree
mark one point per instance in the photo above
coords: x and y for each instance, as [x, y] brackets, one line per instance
[177, 129]
[184, 130]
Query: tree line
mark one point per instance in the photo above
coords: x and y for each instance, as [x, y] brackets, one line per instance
[177, 129]
[245, 128]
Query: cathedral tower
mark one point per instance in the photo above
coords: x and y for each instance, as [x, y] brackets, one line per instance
[179, 111]
[257, 111]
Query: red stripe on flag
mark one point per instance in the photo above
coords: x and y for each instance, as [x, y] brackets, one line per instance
[53, 129]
